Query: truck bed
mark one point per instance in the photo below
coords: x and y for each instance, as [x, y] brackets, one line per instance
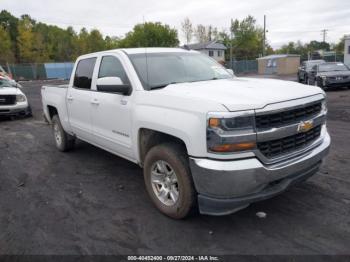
[55, 96]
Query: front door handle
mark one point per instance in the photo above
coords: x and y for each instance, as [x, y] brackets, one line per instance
[95, 102]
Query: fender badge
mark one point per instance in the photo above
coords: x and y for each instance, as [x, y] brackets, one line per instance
[305, 126]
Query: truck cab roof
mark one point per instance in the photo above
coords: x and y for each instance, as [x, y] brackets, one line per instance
[148, 50]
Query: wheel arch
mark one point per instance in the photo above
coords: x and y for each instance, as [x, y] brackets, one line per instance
[52, 111]
[148, 138]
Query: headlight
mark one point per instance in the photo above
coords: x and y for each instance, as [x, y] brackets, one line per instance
[235, 123]
[231, 132]
[20, 98]
[324, 106]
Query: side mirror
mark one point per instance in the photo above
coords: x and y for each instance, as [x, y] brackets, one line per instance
[113, 85]
[230, 71]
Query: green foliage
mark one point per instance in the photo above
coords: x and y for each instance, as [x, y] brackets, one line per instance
[307, 49]
[248, 38]
[112, 42]
[6, 52]
[340, 46]
[316, 45]
[24, 40]
[294, 48]
[150, 35]
[9, 23]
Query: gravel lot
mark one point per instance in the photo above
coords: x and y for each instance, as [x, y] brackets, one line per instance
[89, 201]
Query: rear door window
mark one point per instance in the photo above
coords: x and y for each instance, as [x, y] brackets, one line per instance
[84, 72]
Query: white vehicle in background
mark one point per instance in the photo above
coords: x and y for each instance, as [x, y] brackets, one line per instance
[13, 101]
[204, 137]
[5, 75]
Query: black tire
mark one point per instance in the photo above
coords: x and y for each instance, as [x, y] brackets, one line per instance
[306, 80]
[65, 142]
[319, 84]
[316, 83]
[299, 79]
[175, 156]
[29, 111]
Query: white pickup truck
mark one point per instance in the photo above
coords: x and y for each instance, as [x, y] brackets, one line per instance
[206, 140]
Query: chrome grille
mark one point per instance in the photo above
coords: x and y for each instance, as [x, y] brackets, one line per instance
[338, 77]
[6, 100]
[289, 144]
[283, 118]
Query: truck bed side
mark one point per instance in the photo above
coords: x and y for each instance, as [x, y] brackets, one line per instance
[54, 99]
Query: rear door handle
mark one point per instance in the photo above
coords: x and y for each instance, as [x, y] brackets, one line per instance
[95, 102]
[70, 98]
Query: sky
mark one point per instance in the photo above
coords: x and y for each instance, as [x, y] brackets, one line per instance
[291, 20]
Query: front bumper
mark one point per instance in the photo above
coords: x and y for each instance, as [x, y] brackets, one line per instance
[225, 187]
[336, 84]
[15, 110]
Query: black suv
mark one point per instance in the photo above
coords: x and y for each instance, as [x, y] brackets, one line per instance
[305, 68]
[329, 75]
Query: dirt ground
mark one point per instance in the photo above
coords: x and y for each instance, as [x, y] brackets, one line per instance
[89, 201]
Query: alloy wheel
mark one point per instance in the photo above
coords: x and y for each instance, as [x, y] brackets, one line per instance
[57, 134]
[164, 183]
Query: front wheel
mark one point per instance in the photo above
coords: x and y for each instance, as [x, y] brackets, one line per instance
[168, 180]
[308, 81]
[64, 142]
[299, 79]
[318, 83]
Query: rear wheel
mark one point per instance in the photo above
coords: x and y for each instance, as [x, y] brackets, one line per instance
[168, 180]
[64, 142]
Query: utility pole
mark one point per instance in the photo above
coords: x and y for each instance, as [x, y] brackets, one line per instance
[231, 39]
[324, 33]
[264, 37]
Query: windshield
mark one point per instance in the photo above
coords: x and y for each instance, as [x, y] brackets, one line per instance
[333, 67]
[310, 64]
[162, 69]
[5, 83]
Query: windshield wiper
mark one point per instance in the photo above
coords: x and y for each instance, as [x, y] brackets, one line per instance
[163, 85]
[173, 83]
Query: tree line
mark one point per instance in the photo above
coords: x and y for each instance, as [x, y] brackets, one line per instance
[246, 38]
[24, 40]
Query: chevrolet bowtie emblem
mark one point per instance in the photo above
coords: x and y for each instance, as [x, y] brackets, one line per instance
[305, 126]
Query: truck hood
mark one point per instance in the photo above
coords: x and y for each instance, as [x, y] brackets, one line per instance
[10, 91]
[243, 93]
[334, 73]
